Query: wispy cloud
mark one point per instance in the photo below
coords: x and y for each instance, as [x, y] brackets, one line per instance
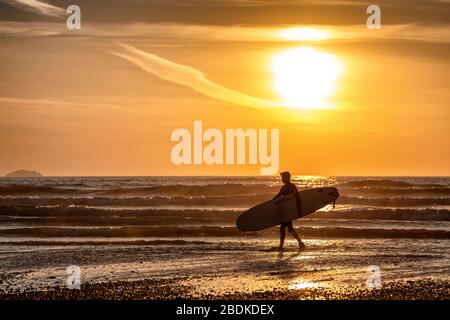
[51, 102]
[39, 7]
[29, 29]
[180, 33]
[189, 77]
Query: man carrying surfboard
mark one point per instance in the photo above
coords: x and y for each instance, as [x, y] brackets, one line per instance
[288, 205]
[287, 189]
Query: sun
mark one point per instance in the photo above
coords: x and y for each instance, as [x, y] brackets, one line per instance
[305, 77]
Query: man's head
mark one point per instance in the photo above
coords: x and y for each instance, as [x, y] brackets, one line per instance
[286, 177]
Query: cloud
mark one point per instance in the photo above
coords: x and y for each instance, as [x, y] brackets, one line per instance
[179, 34]
[189, 77]
[30, 29]
[280, 3]
[240, 12]
[50, 102]
[39, 7]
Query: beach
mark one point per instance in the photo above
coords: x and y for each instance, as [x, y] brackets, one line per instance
[152, 289]
[166, 238]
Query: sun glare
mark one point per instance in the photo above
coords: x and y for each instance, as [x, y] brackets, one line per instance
[304, 34]
[305, 77]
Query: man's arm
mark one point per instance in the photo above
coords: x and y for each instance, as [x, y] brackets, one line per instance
[280, 193]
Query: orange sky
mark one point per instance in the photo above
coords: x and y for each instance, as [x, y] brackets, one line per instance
[76, 103]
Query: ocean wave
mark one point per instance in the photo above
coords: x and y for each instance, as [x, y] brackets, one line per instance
[206, 231]
[113, 220]
[18, 189]
[219, 201]
[366, 187]
[196, 190]
[367, 183]
[395, 201]
[228, 201]
[394, 183]
[83, 213]
[175, 189]
[386, 214]
[413, 191]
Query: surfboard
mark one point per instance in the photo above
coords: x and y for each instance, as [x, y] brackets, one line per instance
[278, 211]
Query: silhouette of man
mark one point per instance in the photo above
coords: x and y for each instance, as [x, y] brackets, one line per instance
[287, 189]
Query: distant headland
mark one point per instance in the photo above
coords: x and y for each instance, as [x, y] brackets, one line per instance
[23, 174]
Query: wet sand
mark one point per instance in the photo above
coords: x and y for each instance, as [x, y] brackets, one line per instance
[227, 269]
[167, 289]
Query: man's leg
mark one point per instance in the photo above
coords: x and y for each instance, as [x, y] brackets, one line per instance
[282, 235]
[295, 234]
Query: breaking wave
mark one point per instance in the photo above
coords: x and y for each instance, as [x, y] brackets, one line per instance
[19, 213]
[227, 201]
[208, 207]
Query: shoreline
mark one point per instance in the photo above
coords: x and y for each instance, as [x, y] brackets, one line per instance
[170, 289]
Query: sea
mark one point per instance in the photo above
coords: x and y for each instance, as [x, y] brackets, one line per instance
[138, 227]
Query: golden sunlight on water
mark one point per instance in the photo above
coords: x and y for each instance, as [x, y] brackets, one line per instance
[301, 284]
[305, 77]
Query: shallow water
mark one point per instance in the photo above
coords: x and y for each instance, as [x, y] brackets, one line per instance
[228, 265]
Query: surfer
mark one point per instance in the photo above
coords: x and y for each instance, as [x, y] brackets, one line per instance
[287, 189]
